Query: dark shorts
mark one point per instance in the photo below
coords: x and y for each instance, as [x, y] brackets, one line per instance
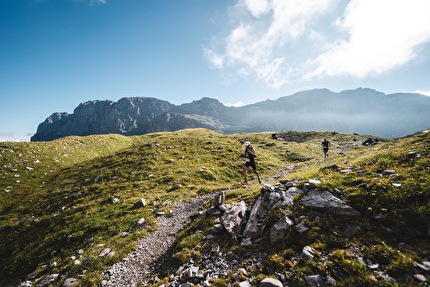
[251, 164]
[325, 149]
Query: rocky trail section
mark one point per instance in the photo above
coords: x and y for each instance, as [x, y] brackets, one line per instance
[140, 263]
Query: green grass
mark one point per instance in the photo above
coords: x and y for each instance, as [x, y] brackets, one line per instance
[78, 193]
[394, 221]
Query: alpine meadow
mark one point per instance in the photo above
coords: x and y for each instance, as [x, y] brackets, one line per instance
[69, 209]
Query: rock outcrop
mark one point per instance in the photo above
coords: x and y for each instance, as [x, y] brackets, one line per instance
[322, 199]
[280, 197]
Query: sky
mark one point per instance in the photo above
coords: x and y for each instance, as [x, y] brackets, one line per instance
[56, 54]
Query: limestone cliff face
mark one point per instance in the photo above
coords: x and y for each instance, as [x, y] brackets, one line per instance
[128, 116]
[52, 127]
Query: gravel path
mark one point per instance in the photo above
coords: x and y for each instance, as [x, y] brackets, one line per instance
[140, 264]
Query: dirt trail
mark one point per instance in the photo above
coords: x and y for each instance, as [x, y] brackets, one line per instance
[140, 264]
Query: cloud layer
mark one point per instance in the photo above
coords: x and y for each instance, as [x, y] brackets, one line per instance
[277, 41]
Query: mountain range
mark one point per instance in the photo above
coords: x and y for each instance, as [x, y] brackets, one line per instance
[363, 111]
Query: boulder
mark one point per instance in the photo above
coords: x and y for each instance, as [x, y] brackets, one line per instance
[140, 222]
[140, 203]
[301, 227]
[420, 278]
[219, 199]
[370, 142]
[71, 282]
[322, 199]
[280, 229]
[315, 181]
[411, 157]
[286, 197]
[271, 282]
[176, 186]
[333, 166]
[388, 172]
[244, 284]
[425, 265]
[271, 197]
[105, 252]
[314, 280]
[232, 218]
[256, 221]
[308, 253]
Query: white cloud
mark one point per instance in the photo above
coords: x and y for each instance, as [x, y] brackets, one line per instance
[237, 104]
[251, 48]
[425, 93]
[215, 59]
[383, 35]
[256, 7]
[98, 2]
[278, 41]
[9, 137]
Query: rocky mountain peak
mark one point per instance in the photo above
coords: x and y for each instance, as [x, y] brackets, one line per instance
[205, 106]
[363, 111]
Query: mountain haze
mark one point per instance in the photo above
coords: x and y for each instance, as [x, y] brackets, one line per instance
[363, 111]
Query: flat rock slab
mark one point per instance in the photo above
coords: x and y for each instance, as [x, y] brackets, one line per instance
[322, 199]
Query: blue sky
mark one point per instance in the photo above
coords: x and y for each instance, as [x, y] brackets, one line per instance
[56, 54]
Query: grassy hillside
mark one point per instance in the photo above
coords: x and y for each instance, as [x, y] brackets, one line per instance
[75, 196]
[78, 192]
[392, 231]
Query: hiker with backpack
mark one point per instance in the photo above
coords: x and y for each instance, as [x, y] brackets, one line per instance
[250, 156]
[325, 144]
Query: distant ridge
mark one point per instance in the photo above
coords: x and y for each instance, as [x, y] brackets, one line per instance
[363, 111]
